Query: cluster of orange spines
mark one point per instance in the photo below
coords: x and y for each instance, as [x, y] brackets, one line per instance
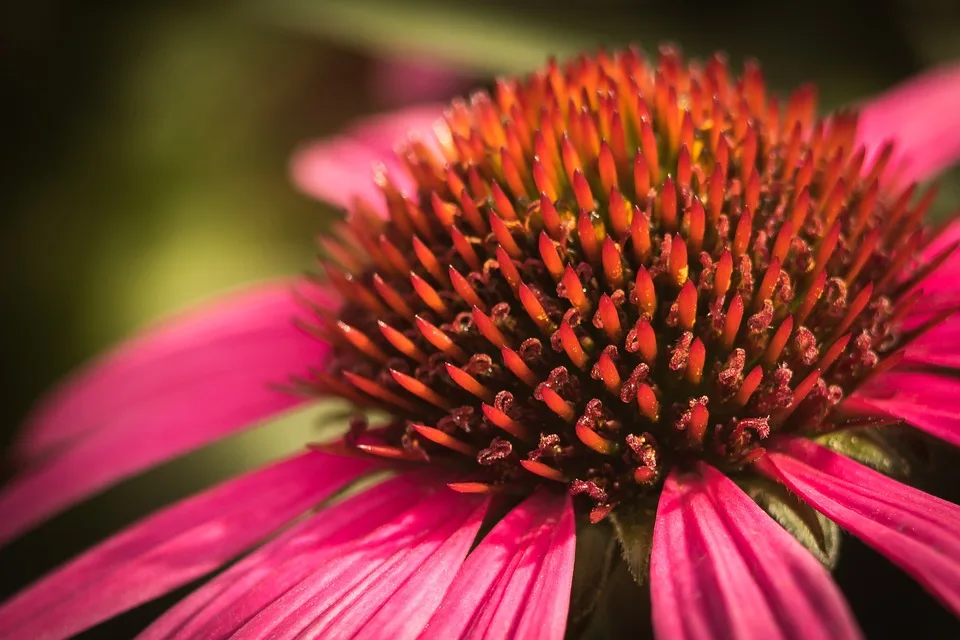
[611, 267]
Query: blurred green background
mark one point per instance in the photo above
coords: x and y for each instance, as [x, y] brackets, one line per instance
[145, 150]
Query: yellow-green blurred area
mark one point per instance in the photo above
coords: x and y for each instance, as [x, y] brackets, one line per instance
[145, 151]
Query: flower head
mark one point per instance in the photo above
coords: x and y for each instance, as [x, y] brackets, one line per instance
[612, 270]
[616, 292]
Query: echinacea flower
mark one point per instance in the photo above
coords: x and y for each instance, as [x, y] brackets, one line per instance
[645, 300]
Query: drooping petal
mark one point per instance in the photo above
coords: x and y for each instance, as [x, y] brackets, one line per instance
[174, 546]
[939, 347]
[224, 604]
[927, 401]
[940, 293]
[340, 168]
[914, 530]
[410, 79]
[921, 117]
[190, 382]
[721, 567]
[410, 560]
[516, 583]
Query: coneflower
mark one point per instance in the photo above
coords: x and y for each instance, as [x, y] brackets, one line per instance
[644, 297]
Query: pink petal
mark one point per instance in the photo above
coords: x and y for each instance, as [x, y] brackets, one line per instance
[927, 401]
[174, 546]
[221, 606]
[341, 168]
[351, 581]
[401, 80]
[516, 583]
[939, 347]
[945, 238]
[187, 384]
[939, 287]
[721, 567]
[915, 530]
[921, 116]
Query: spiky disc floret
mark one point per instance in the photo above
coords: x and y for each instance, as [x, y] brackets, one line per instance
[611, 268]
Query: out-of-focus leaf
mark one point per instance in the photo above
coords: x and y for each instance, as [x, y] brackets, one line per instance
[478, 35]
[820, 535]
[596, 556]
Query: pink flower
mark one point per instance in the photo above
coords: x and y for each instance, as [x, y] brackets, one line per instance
[615, 293]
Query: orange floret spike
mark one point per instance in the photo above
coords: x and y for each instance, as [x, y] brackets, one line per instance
[668, 205]
[581, 189]
[393, 299]
[421, 390]
[772, 354]
[502, 233]
[544, 471]
[505, 422]
[550, 257]
[375, 390]
[361, 342]
[488, 329]
[648, 144]
[853, 311]
[767, 284]
[679, 269]
[519, 368]
[741, 238]
[834, 351]
[640, 236]
[545, 185]
[401, 343]
[557, 404]
[695, 361]
[687, 306]
[606, 371]
[508, 269]
[589, 240]
[731, 324]
[465, 290]
[609, 318]
[722, 277]
[748, 386]
[697, 424]
[612, 263]
[648, 403]
[465, 249]
[551, 219]
[781, 246]
[428, 294]
[445, 440]
[502, 204]
[810, 299]
[429, 261]
[571, 345]
[440, 340]
[620, 214]
[695, 225]
[595, 441]
[607, 168]
[641, 176]
[468, 383]
[574, 291]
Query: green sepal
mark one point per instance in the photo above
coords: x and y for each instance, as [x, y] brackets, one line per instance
[596, 556]
[871, 447]
[634, 527]
[820, 535]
